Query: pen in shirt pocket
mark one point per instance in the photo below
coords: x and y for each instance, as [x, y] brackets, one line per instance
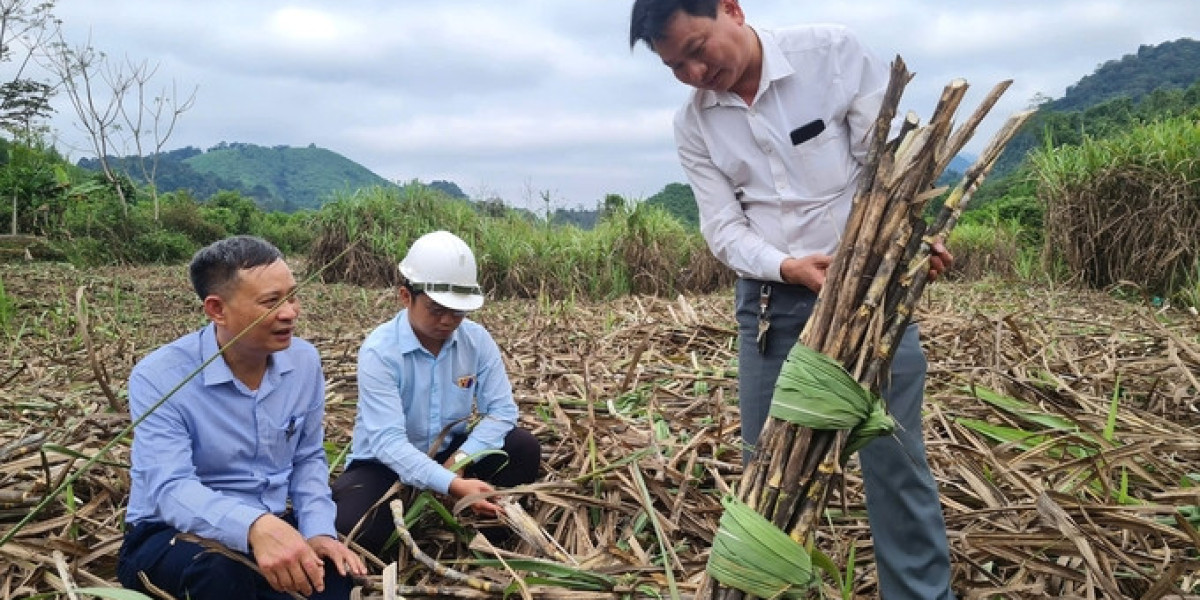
[291, 429]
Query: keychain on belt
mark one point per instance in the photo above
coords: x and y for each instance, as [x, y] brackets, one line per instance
[764, 318]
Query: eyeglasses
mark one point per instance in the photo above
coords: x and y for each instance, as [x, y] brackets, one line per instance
[438, 311]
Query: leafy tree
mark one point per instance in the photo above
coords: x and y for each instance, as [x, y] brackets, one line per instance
[32, 177]
[26, 27]
[235, 213]
[679, 201]
[449, 188]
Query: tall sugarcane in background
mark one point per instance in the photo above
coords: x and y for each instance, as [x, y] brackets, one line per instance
[826, 403]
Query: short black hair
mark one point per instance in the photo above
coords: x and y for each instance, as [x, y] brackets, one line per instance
[215, 266]
[649, 17]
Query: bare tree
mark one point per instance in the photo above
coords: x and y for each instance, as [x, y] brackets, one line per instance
[152, 122]
[84, 75]
[114, 110]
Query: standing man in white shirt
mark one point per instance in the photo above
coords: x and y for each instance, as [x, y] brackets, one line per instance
[429, 370]
[772, 140]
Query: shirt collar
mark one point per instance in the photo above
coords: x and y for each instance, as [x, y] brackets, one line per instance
[775, 67]
[406, 338]
[218, 372]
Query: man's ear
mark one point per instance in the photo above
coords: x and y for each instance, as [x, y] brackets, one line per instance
[733, 9]
[214, 309]
[405, 297]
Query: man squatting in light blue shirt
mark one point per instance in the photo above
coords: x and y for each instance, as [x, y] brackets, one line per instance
[425, 372]
[222, 455]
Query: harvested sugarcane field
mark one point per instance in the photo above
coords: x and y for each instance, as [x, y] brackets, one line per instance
[1062, 426]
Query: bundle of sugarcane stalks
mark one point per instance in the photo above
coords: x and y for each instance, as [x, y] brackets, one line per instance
[878, 274]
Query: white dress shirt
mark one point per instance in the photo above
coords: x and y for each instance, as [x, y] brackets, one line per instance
[761, 198]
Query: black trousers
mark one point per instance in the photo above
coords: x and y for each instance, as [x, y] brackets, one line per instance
[188, 570]
[364, 482]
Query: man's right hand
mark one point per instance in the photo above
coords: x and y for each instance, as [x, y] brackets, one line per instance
[285, 558]
[462, 487]
[808, 271]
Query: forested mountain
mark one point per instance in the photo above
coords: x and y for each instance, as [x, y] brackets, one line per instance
[280, 178]
[1171, 65]
[1156, 81]
[295, 178]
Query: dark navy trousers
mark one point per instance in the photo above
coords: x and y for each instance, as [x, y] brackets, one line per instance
[188, 570]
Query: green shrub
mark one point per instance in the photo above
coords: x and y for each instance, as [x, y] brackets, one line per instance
[982, 251]
[180, 213]
[162, 246]
[292, 233]
[8, 310]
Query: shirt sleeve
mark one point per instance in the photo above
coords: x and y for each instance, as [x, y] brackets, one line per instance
[382, 418]
[312, 500]
[494, 399]
[162, 464]
[722, 221]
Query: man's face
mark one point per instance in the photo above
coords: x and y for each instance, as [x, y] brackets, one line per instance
[705, 53]
[432, 322]
[258, 291]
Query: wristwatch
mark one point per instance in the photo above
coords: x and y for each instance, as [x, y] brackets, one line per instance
[459, 457]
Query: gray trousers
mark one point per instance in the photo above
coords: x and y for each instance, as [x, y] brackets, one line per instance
[905, 513]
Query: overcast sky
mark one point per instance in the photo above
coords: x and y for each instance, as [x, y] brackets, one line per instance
[519, 97]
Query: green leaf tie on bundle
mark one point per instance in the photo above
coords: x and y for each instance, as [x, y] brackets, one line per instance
[751, 554]
[814, 391]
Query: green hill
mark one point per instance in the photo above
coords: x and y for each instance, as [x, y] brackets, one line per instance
[280, 178]
[293, 178]
[1154, 74]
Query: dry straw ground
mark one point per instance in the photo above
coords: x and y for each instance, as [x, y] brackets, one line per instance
[1048, 491]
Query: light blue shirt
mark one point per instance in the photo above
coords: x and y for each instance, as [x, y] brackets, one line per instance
[407, 396]
[216, 456]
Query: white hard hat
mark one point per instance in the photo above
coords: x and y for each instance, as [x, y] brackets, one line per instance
[443, 266]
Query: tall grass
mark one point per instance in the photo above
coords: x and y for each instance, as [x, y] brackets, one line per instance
[982, 250]
[641, 249]
[1126, 208]
[8, 310]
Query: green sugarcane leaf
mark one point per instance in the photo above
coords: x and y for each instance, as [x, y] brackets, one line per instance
[554, 571]
[1026, 411]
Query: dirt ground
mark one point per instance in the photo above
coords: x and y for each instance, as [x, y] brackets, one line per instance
[1063, 427]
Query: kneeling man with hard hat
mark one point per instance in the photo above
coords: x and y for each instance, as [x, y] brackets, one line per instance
[435, 407]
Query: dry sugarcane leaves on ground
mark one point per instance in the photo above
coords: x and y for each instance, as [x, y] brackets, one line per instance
[634, 401]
